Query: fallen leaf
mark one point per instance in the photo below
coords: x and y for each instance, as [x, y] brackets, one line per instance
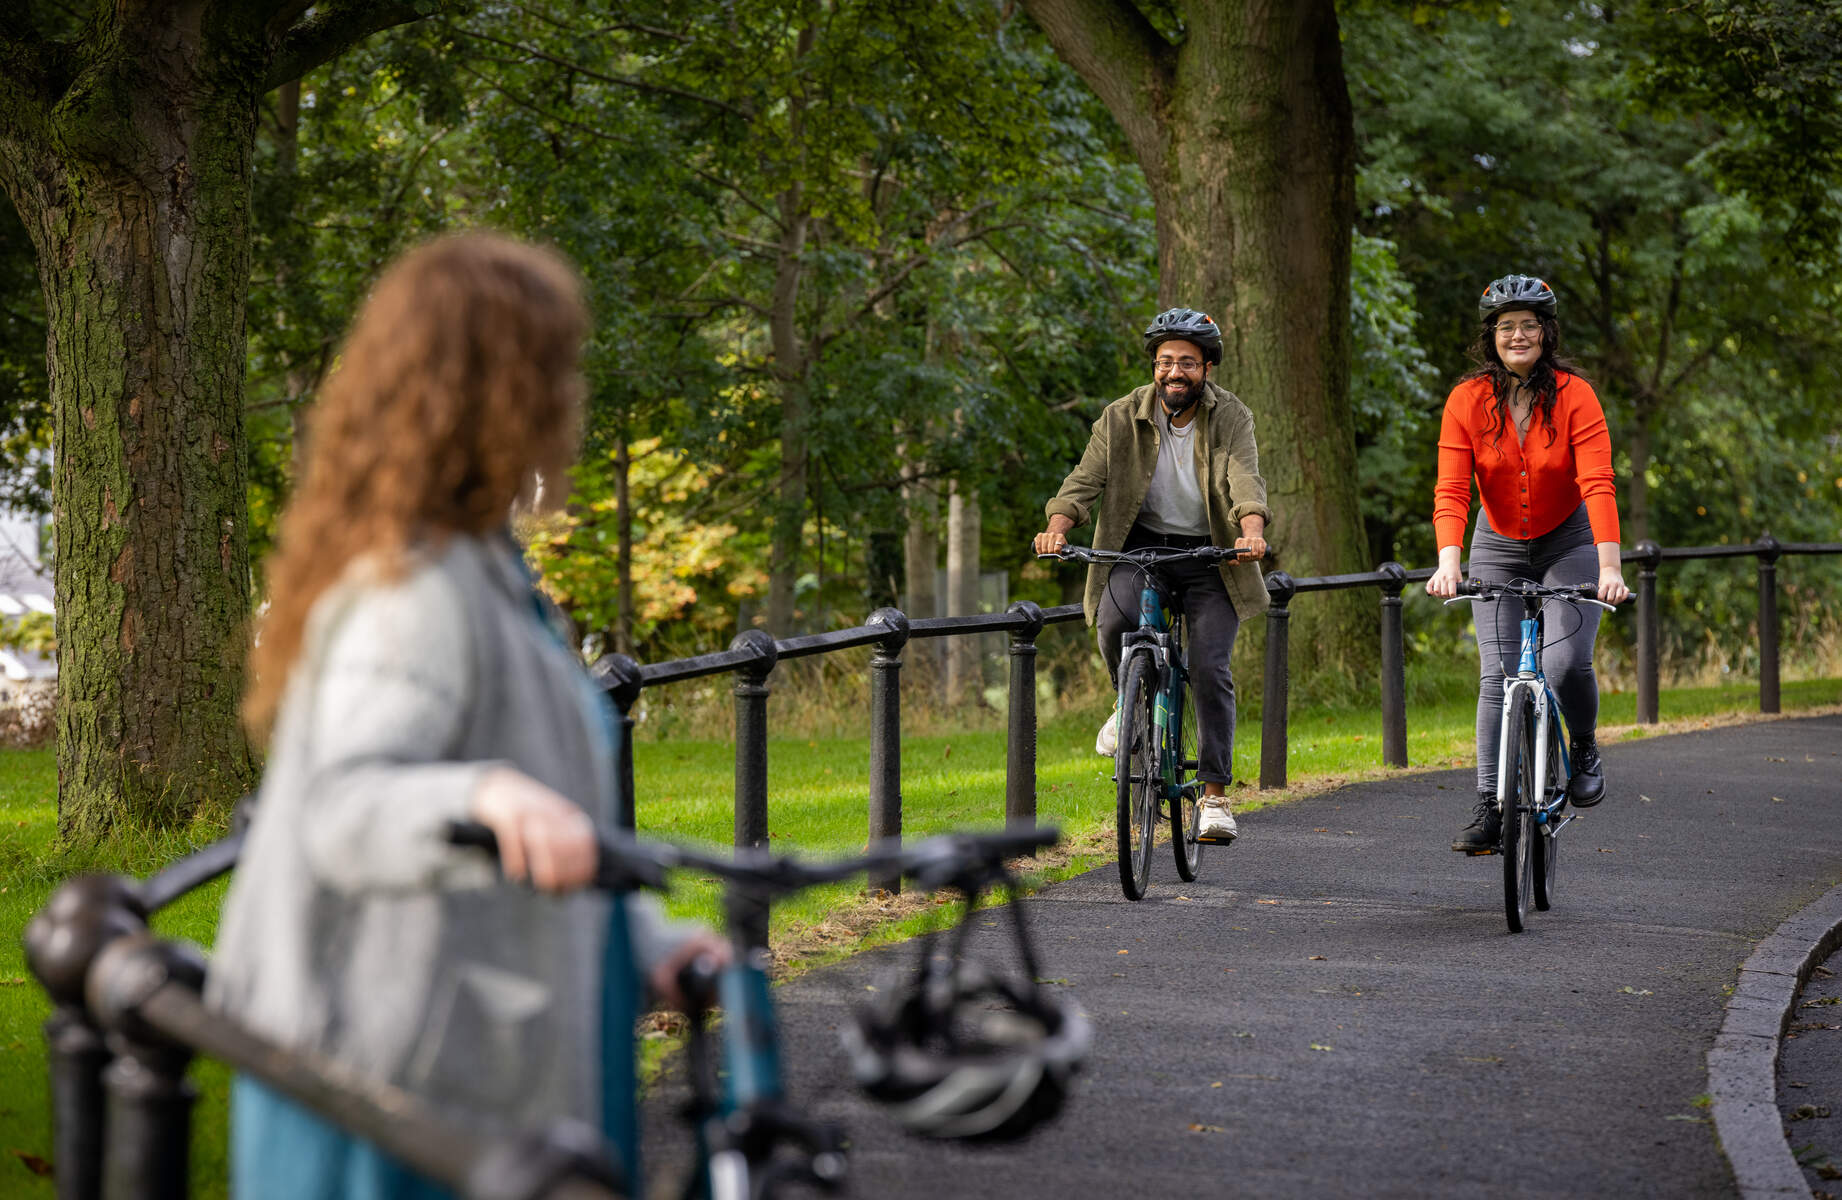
[1319, 1046]
[1244, 1034]
[1316, 958]
[1607, 850]
[1320, 830]
[1803, 1112]
[1628, 990]
[1216, 1084]
[1487, 1059]
[1686, 1117]
[1125, 951]
[1645, 799]
[1207, 1129]
[1266, 902]
[33, 1163]
[1777, 799]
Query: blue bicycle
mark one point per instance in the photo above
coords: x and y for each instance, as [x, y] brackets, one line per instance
[1532, 762]
[1155, 763]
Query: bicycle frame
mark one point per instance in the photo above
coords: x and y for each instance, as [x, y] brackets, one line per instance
[1546, 707]
[1159, 631]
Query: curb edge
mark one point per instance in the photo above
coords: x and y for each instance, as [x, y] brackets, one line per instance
[1743, 1062]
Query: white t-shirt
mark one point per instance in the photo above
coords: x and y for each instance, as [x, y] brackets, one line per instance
[1173, 502]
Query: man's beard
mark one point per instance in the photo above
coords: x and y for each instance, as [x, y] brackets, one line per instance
[1176, 402]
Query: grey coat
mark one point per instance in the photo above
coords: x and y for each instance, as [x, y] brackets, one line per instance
[1119, 460]
[352, 928]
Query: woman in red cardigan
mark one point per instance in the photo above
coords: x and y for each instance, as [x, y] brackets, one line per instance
[1531, 431]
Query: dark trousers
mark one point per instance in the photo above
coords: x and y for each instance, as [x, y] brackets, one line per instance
[1211, 625]
[1564, 555]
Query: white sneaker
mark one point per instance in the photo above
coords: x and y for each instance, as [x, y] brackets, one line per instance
[1217, 824]
[1107, 744]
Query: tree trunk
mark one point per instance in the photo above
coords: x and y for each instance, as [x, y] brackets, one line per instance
[127, 152]
[920, 563]
[1245, 136]
[965, 682]
[143, 246]
[623, 501]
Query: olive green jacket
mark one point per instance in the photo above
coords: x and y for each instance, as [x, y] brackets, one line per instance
[1119, 460]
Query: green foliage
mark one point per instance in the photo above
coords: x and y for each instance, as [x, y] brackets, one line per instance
[31, 631]
[25, 391]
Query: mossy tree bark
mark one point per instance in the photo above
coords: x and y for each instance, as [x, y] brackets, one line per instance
[127, 151]
[1244, 132]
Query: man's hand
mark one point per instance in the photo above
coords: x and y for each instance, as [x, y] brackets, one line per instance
[1052, 539]
[663, 978]
[1253, 538]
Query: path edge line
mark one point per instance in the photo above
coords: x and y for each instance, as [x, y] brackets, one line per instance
[1743, 1062]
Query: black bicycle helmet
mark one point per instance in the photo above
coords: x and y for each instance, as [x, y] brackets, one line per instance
[962, 1053]
[1516, 291]
[1188, 325]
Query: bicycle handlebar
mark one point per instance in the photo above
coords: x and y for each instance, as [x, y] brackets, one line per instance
[624, 863]
[1150, 556]
[1575, 593]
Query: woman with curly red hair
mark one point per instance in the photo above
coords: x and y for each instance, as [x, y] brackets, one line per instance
[407, 675]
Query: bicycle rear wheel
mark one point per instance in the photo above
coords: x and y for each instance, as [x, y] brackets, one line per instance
[1518, 760]
[1546, 849]
[1135, 770]
[1186, 808]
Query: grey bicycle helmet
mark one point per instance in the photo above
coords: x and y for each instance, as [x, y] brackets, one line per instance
[1188, 325]
[1516, 291]
[964, 1054]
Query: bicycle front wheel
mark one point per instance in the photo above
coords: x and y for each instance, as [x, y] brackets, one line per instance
[1518, 761]
[1546, 849]
[1186, 806]
[1135, 769]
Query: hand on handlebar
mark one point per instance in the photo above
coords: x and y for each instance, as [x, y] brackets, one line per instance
[1255, 546]
[668, 976]
[542, 836]
[1612, 589]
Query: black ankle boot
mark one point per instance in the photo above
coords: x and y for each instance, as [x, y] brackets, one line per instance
[1485, 830]
[1587, 787]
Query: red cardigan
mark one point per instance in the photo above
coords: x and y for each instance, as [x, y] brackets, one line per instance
[1530, 487]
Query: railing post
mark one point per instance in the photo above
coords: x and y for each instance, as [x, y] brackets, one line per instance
[1769, 550]
[1393, 668]
[1020, 755]
[1649, 554]
[146, 1152]
[62, 940]
[886, 736]
[748, 918]
[1280, 588]
[619, 677]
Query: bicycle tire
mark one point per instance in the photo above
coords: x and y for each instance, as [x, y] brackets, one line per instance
[1547, 847]
[1186, 807]
[1135, 771]
[1518, 820]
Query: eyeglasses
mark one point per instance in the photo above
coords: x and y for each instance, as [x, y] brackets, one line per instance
[1187, 365]
[1526, 328]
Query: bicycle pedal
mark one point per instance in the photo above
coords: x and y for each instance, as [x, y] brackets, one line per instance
[1214, 841]
[1479, 853]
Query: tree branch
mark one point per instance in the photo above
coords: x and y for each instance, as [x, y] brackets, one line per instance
[1122, 57]
[616, 80]
[336, 27]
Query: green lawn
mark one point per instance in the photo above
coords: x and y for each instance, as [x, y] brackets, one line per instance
[817, 805]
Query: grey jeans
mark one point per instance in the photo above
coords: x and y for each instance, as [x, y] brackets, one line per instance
[1564, 555]
[1211, 625]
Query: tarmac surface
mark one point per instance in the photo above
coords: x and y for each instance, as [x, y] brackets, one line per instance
[1810, 1080]
[1336, 1007]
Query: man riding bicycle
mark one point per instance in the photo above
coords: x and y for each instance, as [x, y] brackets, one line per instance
[1177, 462]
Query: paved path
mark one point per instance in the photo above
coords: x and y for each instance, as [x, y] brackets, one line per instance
[1459, 1060]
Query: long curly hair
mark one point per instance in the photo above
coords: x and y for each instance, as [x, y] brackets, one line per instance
[457, 391]
[1544, 379]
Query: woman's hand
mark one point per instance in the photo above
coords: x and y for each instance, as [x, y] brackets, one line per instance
[1447, 576]
[663, 978]
[542, 836]
[1612, 589]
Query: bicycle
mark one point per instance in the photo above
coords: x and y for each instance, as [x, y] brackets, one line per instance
[1155, 763]
[1533, 765]
[749, 1139]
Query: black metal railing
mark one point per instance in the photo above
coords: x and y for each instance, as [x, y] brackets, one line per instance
[1391, 579]
[128, 1017]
